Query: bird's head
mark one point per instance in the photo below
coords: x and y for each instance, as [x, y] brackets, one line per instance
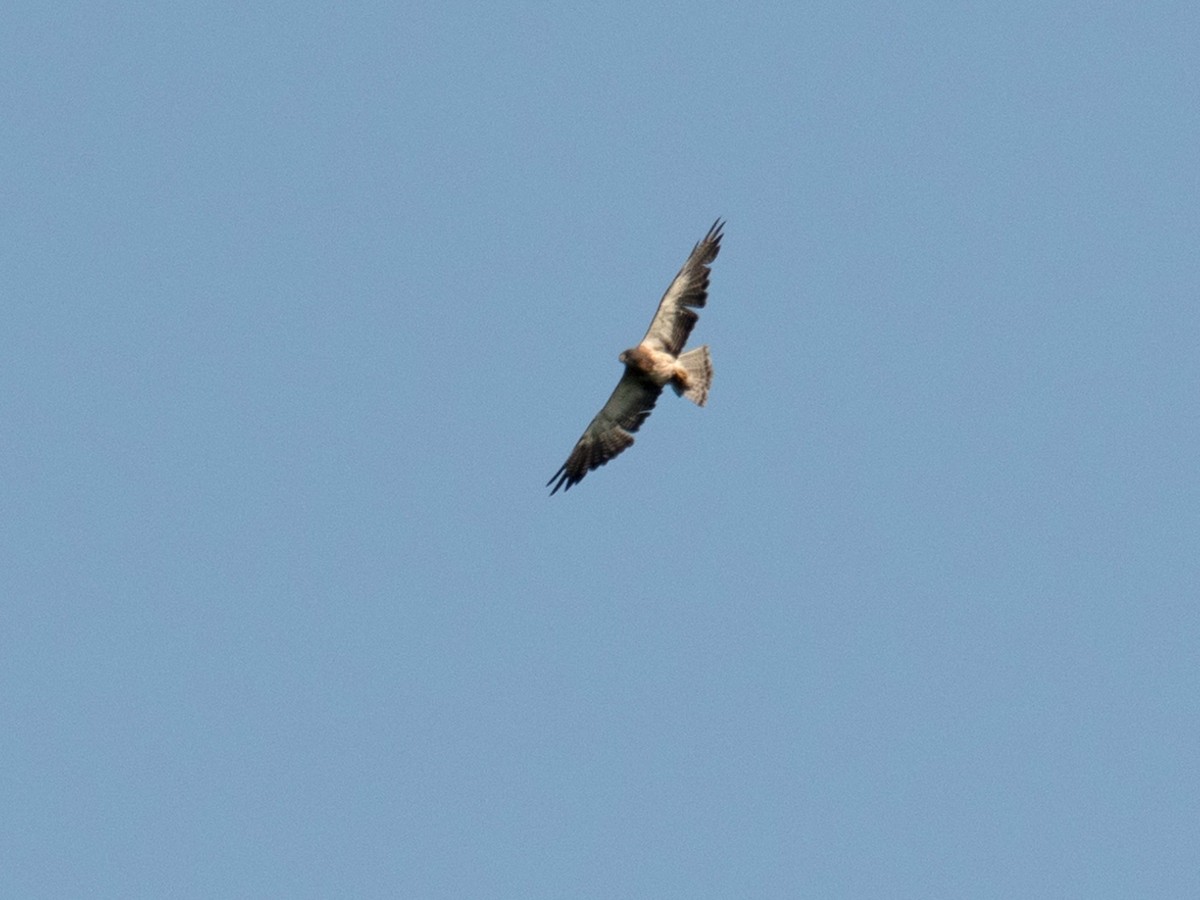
[632, 357]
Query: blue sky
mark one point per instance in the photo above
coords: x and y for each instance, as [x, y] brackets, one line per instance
[304, 304]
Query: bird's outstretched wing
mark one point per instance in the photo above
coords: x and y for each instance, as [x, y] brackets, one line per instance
[674, 320]
[612, 429]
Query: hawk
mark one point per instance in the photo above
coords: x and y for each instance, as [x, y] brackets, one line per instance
[649, 367]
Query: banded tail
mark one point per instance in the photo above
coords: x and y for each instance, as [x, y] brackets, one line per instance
[697, 366]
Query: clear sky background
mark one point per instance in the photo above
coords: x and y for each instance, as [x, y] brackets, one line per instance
[302, 305]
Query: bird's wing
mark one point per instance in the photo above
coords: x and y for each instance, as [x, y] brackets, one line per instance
[612, 429]
[674, 320]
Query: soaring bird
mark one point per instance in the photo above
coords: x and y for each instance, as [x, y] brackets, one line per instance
[654, 363]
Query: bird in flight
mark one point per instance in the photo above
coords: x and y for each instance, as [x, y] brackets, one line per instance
[654, 363]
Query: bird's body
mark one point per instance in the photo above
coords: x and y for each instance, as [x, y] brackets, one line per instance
[657, 361]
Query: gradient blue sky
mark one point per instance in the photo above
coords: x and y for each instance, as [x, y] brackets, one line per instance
[304, 303]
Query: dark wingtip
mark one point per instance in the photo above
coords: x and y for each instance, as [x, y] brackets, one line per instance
[559, 477]
[564, 479]
[713, 237]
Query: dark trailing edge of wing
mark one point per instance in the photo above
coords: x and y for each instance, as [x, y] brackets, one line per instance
[611, 431]
[675, 323]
